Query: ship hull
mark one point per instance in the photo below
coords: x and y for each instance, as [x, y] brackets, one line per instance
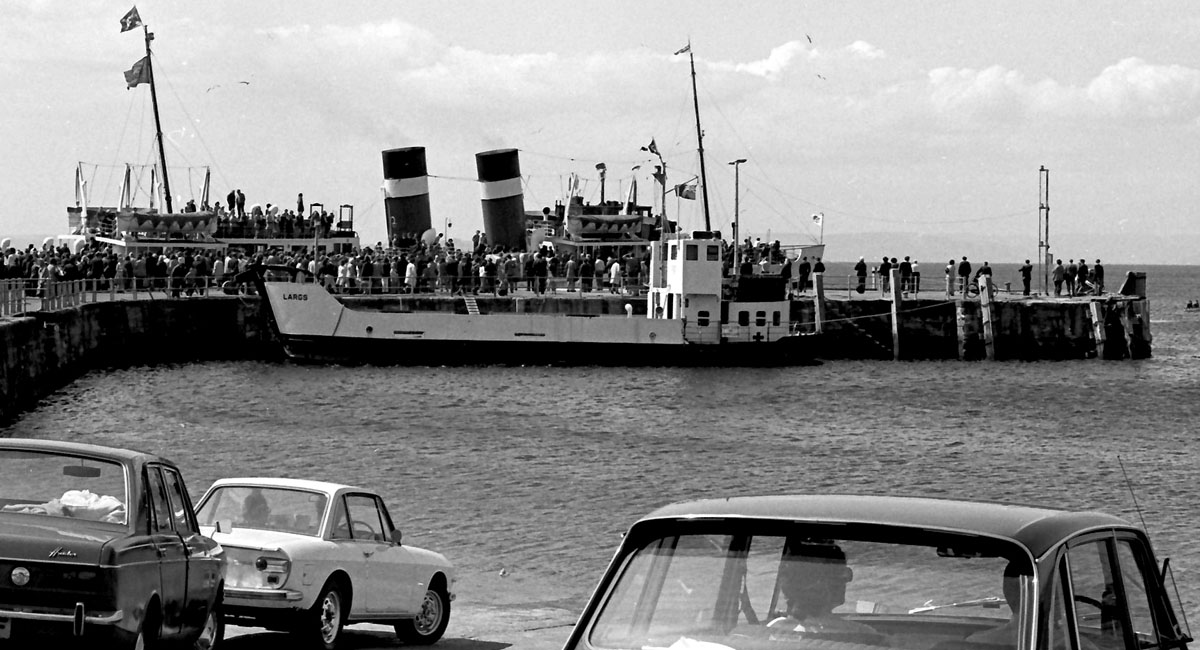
[792, 351]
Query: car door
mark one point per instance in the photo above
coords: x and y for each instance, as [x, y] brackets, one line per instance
[203, 567]
[389, 578]
[351, 555]
[394, 559]
[1116, 597]
[172, 554]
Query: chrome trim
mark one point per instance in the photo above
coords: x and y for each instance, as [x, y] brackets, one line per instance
[110, 619]
[263, 594]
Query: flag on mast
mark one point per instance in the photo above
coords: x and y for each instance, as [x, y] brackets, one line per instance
[138, 74]
[684, 50]
[818, 217]
[686, 191]
[130, 20]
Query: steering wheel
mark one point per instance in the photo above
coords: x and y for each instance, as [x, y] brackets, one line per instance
[363, 529]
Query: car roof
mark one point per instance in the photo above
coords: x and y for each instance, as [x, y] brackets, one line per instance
[292, 483]
[1038, 529]
[62, 446]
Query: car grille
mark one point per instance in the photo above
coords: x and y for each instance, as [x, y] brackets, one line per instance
[55, 586]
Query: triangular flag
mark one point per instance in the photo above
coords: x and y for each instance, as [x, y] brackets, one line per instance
[130, 20]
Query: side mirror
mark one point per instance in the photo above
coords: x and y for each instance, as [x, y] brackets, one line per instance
[396, 537]
[223, 526]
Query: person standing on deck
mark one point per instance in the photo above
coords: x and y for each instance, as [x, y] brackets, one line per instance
[572, 274]
[241, 204]
[802, 273]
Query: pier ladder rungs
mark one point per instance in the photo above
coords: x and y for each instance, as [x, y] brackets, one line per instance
[472, 306]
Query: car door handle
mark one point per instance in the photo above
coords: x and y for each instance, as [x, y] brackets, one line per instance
[369, 553]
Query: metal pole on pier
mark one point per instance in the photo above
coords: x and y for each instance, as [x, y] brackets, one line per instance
[737, 255]
[1044, 258]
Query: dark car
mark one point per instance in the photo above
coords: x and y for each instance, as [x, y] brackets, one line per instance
[866, 573]
[102, 545]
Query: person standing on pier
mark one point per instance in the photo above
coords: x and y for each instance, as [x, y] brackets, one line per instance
[241, 204]
[905, 275]
[964, 274]
[860, 270]
[1081, 278]
[1072, 273]
[885, 273]
[1098, 274]
[1026, 275]
[1058, 275]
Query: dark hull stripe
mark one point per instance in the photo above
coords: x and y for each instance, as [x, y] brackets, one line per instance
[424, 352]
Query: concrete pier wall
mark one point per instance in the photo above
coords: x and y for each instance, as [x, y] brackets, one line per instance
[47, 350]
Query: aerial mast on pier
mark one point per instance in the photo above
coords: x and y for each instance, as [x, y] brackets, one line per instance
[699, 134]
[1044, 258]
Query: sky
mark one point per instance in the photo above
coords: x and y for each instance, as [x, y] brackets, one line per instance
[913, 127]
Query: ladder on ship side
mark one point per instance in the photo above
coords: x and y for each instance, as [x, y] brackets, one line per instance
[472, 306]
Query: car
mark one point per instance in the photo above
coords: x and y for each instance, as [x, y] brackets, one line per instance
[310, 557]
[102, 545]
[858, 572]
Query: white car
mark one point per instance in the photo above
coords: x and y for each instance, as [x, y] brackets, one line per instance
[310, 557]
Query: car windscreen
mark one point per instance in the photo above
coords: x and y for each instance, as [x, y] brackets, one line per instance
[265, 508]
[50, 484]
[789, 588]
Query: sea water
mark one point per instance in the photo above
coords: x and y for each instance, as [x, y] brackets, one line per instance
[537, 470]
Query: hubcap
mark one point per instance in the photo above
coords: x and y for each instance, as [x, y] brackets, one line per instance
[431, 613]
[209, 634]
[331, 614]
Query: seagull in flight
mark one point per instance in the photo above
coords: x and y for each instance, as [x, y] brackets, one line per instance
[809, 39]
[821, 78]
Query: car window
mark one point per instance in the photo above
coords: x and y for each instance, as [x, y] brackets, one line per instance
[1133, 578]
[48, 484]
[265, 507]
[181, 507]
[160, 508]
[341, 526]
[364, 518]
[1097, 610]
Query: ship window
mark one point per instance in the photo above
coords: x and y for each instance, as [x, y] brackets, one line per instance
[693, 252]
[702, 318]
[775, 318]
[760, 318]
[743, 318]
[674, 251]
[713, 254]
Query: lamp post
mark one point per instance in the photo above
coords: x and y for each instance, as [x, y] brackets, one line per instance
[737, 244]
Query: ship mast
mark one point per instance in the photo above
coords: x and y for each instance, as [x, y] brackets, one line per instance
[699, 138]
[162, 155]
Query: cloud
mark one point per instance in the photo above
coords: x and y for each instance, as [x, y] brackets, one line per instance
[1132, 89]
[1136, 89]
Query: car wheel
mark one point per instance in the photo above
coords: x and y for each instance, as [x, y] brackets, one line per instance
[322, 625]
[213, 631]
[148, 632]
[430, 623]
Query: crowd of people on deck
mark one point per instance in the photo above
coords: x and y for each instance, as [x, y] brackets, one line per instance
[439, 267]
